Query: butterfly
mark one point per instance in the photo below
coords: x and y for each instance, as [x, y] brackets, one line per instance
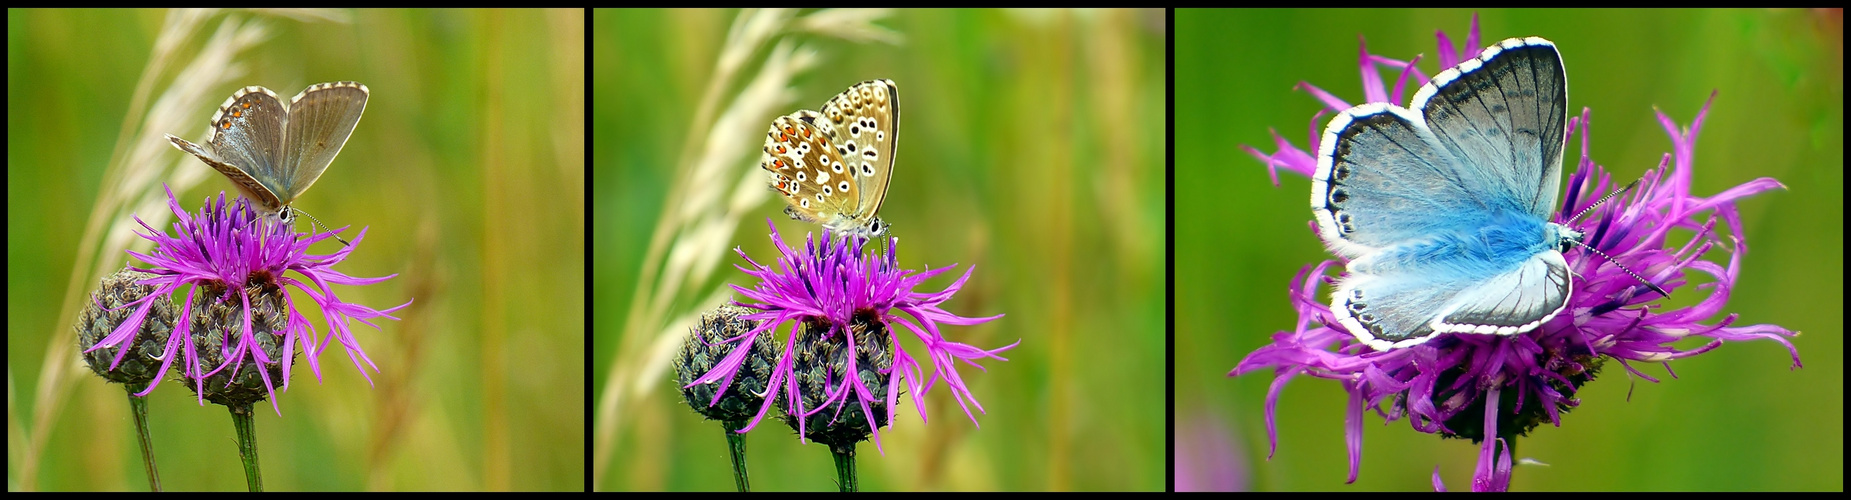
[833, 167]
[1443, 208]
[273, 152]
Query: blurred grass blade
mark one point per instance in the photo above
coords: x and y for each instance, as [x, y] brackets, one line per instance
[133, 183]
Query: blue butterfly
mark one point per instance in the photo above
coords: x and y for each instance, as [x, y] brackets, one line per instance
[1443, 208]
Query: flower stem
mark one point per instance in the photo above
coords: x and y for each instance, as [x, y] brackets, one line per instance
[736, 443]
[241, 418]
[845, 467]
[1510, 445]
[138, 406]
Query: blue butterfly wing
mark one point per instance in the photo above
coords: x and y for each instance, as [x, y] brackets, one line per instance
[1511, 302]
[1383, 179]
[1504, 116]
[1443, 211]
[1498, 280]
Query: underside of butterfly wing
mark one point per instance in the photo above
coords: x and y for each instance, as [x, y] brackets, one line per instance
[321, 118]
[866, 119]
[807, 170]
[249, 187]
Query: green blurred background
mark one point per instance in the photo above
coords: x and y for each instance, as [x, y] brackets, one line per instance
[1735, 419]
[1033, 145]
[468, 168]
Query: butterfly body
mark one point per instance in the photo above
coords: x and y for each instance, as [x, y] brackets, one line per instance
[833, 166]
[1443, 208]
[273, 152]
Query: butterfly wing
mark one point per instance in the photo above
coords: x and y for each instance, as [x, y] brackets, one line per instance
[1511, 302]
[1477, 282]
[320, 120]
[866, 118]
[247, 132]
[252, 190]
[1388, 311]
[1504, 115]
[808, 171]
[1383, 179]
[1487, 139]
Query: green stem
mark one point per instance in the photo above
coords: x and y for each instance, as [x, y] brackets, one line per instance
[241, 418]
[138, 406]
[845, 467]
[1507, 431]
[736, 443]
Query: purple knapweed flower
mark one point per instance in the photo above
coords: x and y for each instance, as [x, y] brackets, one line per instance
[1492, 388]
[236, 257]
[837, 294]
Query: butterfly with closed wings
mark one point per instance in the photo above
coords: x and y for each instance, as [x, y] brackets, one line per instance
[833, 167]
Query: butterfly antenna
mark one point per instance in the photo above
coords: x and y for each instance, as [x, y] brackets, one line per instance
[1603, 199]
[1597, 204]
[323, 226]
[1616, 263]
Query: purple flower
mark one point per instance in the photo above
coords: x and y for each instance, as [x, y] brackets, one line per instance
[1205, 455]
[235, 249]
[834, 284]
[1492, 388]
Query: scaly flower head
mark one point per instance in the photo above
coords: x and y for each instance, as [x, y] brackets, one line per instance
[236, 257]
[837, 294]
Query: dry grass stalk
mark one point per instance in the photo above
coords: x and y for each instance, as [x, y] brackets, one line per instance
[134, 183]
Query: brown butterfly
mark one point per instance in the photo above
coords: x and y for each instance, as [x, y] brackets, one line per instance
[273, 152]
[833, 166]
